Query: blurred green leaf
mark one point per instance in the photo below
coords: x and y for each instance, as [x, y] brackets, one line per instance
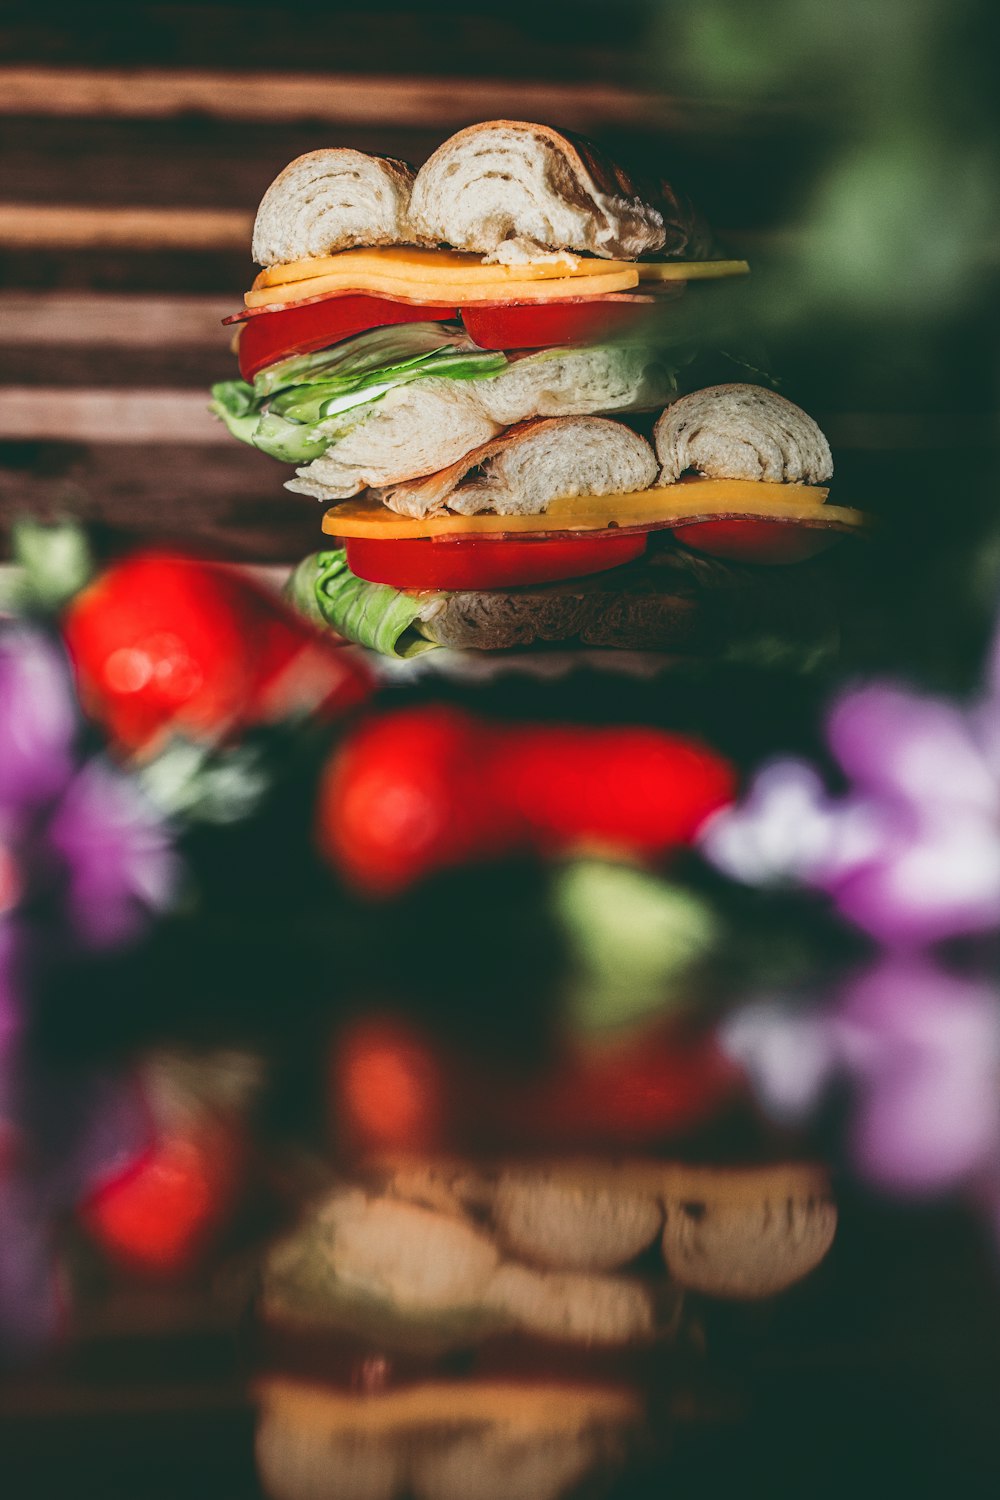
[633, 938]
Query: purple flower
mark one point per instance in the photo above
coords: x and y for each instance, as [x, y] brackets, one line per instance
[911, 852]
[920, 1049]
[118, 860]
[59, 1136]
[924, 1048]
[78, 834]
[39, 720]
[84, 863]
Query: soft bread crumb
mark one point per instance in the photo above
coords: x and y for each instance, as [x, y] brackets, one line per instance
[741, 432]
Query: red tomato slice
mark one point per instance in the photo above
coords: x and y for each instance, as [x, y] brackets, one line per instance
[489, 562]
[756, 541]
[647, 1089]
[313, 325]
[537, 325]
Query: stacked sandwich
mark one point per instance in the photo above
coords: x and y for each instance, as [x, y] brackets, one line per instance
[454, 1332]
[446, 357]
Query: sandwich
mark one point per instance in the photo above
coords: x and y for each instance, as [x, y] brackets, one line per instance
[402, 319]
[579, 529]
[452, 1329]
[460, 361]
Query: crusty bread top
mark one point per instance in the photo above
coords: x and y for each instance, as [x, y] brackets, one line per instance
[527, 467]
[741, 432]
[332, 200]
[506, 181]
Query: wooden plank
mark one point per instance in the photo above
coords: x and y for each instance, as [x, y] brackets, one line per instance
[340, 99]
[61, 318]
[736, 176]
[227, 499]
[519, 38]
[69, 227]
[109, 416]
[119, 269]
[127, 366]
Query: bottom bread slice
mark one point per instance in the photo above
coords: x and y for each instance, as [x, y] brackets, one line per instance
[481, 1440]
[672, 603]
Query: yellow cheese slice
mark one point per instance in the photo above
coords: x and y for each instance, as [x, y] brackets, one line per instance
[668, 505]
[452, 293]
[690, 270]
[425, 265]
[449, 266]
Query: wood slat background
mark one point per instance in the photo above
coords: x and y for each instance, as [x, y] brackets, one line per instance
[136, 142]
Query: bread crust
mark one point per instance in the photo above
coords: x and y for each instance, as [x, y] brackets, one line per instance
[523, 469]
[504, 180]
[333, 199]
[741, 432]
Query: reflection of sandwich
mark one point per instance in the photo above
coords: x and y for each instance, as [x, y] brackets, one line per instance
[453, 1330]
[565, 529]
[353, 332]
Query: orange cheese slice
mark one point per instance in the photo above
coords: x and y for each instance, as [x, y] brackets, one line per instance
[428, 265]
[452, 293]
[454, 277]
[671, 505]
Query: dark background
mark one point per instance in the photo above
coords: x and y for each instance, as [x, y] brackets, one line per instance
[846, 155]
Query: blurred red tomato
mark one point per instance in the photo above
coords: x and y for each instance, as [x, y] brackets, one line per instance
[163, 643]
[396, 1089]
[656, 1084]
[406, 795]
[627, 790]
[161, 1215]
[418, 790]
[389, 1087]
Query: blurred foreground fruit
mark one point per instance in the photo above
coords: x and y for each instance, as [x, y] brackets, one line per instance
[395, 1088]
[421, 789]
[165, 1211]
[164, 644]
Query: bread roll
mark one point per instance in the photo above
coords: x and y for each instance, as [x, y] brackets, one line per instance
[423, 428]
[741, 432]
[573, 1226]
[569, 1305]
[507, 180]
[575, 382]
[416, 1258]
[414, 429]
[333, 200]
[522, 471]
[729, 1245]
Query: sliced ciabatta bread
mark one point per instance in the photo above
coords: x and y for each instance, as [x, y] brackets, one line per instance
[526, 468]
[741, 432]
[333, 200]
[415, 429]
[530, 188]
[575, 382]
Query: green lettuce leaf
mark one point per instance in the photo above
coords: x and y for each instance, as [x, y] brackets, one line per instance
[372, 614]
[379, 349]
[299, 406]
[235, 403]
[289, 441]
